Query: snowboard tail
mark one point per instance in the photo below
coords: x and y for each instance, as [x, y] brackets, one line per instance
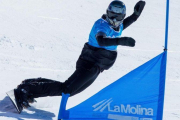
[13, 97]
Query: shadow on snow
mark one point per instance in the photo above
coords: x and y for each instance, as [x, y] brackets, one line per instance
[7, 109]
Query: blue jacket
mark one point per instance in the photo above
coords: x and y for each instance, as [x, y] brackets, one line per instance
[102, 25]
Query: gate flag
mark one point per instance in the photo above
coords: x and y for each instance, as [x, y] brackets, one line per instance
[139, 95]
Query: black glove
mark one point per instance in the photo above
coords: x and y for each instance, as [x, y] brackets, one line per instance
[126, 41]
[139, 7]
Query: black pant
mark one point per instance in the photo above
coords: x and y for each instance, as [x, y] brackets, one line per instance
[76, 83]
[91, 62]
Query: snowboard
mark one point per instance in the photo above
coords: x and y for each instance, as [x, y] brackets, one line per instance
[11, 95]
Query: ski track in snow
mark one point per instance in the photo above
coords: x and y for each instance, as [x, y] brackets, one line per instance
[44, 39]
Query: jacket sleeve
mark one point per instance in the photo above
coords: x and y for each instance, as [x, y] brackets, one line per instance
[129, 20]
[105, 41]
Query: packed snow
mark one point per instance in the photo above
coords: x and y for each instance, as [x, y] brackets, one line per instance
[44, 38]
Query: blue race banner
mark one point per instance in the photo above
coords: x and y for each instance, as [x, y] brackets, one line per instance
[139, 95]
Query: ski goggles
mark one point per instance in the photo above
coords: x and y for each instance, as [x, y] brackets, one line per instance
[117, 16]
[114, 22]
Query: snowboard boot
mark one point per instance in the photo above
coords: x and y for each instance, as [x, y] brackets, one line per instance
[23, 97]
[18, 100]
[24, 83]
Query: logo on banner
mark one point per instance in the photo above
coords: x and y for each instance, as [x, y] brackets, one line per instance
[121, 108]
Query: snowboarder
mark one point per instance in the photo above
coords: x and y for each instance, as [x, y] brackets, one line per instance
[98, 54]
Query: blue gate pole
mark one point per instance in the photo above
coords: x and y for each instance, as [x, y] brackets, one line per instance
[165, 53]
[63, 113]
[167, 26]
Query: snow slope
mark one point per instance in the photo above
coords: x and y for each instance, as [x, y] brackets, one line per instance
[43, 38]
